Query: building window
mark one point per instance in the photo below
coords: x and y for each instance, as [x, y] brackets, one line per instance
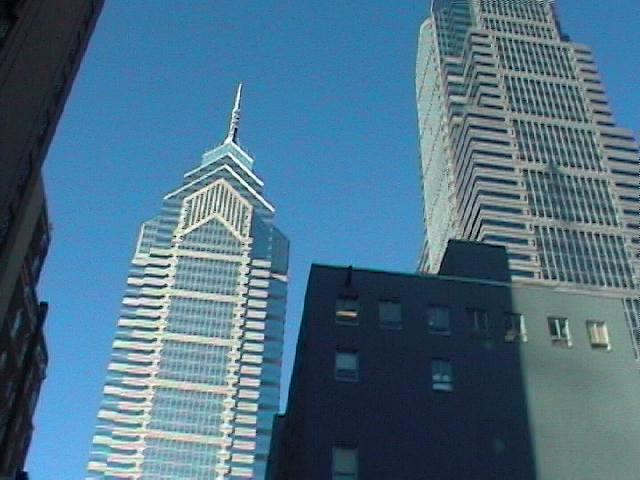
[442, 375]
[346, 366]
[32, 402]
[438, 320]
[478, 322]
[345, 463]
[8, 392]
[3, 362]
[515, 329]
[559, 330]
[17, 323]
[390, 313]
[347, 310]
[598, 334]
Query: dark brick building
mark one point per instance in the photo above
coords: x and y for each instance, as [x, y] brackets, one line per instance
[41, 45]
[460, 375]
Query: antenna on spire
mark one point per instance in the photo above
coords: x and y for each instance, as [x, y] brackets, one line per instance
[235, 118]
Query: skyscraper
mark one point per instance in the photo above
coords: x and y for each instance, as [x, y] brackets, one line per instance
[194, 377]
[41, 46]
[519, 148]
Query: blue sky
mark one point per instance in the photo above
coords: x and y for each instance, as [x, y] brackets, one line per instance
[328, 114]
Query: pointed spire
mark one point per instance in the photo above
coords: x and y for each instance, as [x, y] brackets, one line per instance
[235, 118]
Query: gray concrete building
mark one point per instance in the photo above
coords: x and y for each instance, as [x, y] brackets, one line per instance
[519, 148]
[455, 376]
[41, 45]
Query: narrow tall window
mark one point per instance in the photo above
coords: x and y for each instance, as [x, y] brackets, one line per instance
[514, 328]
[390, 314]
[438, 320]
[346, 368]
[598, 334]
[347, 310]
[559, 330]
[8, 391]
[478, 322]
[17, 323]
[345, 463]
[441, 375]
[3, 363]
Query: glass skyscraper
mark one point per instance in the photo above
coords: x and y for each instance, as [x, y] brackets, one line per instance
[519, 148]
[194, 377]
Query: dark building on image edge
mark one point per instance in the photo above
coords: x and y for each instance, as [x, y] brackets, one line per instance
[460, 375]
[41, 45]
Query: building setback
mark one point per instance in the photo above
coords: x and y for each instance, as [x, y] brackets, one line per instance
[194, 377]
[519, 148]
[457, 375]
[41, 46]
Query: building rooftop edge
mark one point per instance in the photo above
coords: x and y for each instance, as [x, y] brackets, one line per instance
[518, 284]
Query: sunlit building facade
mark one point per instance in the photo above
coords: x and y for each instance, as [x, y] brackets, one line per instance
[194, 378]
[519, 148]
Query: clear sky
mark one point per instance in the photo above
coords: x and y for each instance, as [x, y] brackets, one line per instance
[328, 114]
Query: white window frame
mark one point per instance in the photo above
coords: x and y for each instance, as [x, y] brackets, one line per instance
[346, 374]
[347, 310]
[515, 327]
[559, 335]
[441, 375]
[598, 334]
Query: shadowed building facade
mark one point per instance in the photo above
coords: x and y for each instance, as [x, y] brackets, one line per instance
[194, 377]
[41, 46]
[455, 376]
[519, 148]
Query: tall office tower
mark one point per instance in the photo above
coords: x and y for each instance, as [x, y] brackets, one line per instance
[194, 377]
[519, 148]
[460, 375]
[41, 46]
